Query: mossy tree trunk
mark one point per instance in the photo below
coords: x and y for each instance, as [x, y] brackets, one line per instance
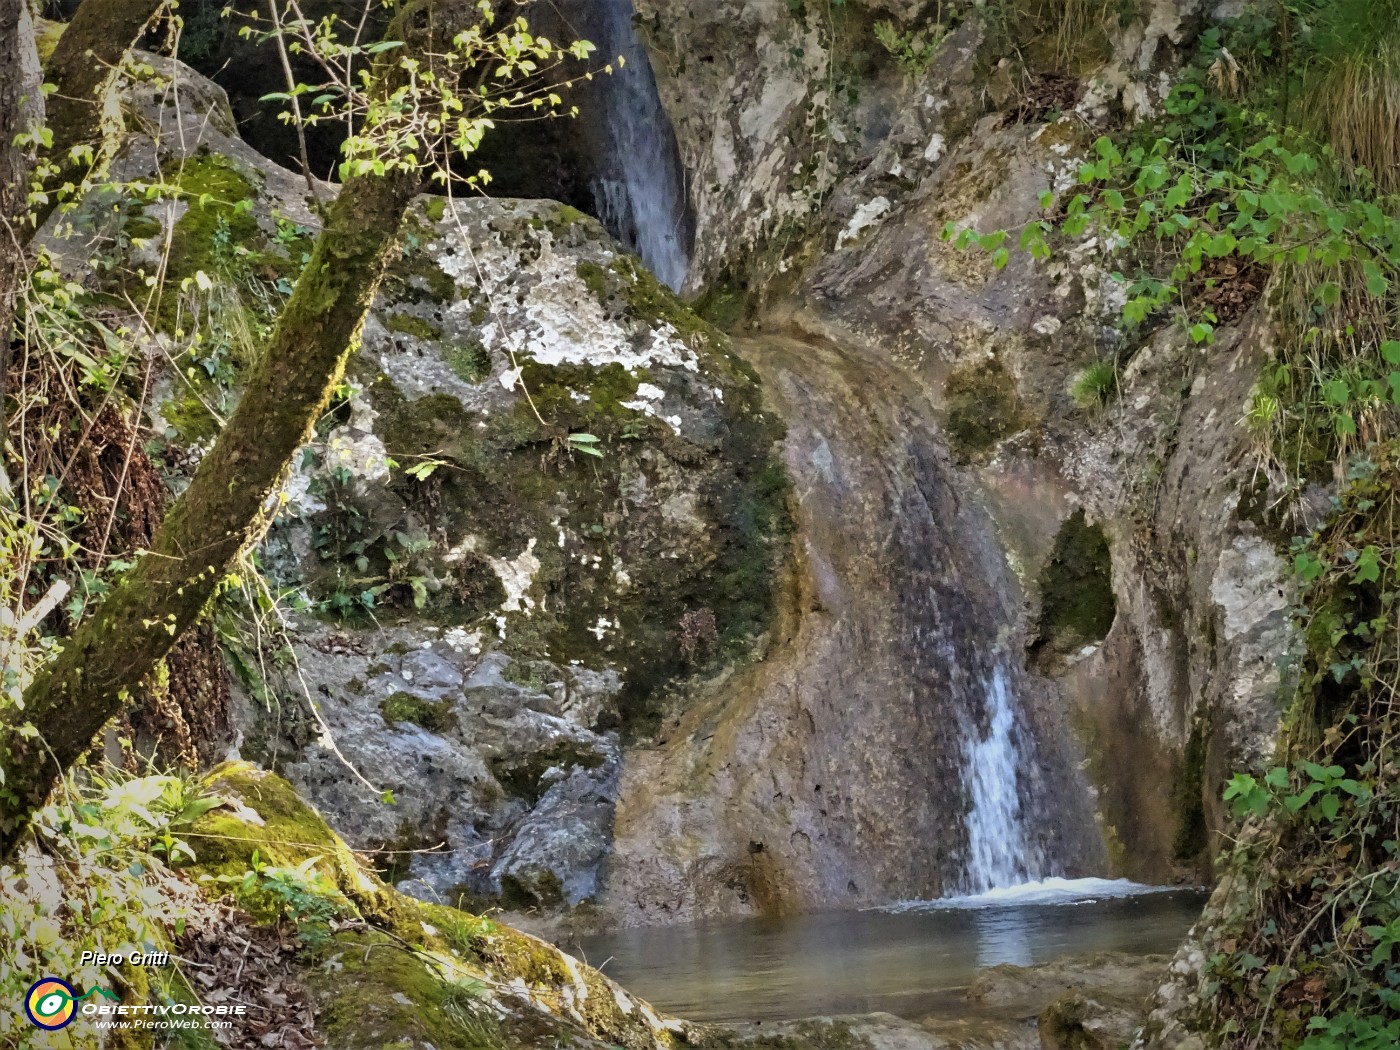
[21, 109]
[227, 503]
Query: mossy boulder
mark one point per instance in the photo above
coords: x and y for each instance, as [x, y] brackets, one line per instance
[402, 973]
[545, 440]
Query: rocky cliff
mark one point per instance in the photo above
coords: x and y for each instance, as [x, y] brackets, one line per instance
[715, 669]
[1122, 536]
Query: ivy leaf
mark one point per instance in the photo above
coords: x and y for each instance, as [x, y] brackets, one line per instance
[1368, 566]
[1307, 566]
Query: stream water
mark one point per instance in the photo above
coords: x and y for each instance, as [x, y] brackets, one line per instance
[908, 960]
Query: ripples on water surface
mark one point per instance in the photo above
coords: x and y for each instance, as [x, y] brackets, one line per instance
[896, 959]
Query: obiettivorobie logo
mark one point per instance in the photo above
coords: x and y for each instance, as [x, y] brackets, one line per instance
[52, 1004]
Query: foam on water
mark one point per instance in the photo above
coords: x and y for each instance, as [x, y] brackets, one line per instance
[1040, 892]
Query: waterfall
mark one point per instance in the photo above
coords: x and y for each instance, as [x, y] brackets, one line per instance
[999, 854]
[639, 189]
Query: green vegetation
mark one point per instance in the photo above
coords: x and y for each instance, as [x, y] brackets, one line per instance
[1077, 605]
[470, 362]
[434, 715]
[914, 49]
[411, 324]
[1095, 385]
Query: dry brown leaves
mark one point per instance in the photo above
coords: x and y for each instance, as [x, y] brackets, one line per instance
[1044, 95]
[229, 961]
[1227, 287]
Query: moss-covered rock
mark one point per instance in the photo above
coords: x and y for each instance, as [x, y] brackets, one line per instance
[1077, 604]
[583, 461]
[409, 974]
[983, 407]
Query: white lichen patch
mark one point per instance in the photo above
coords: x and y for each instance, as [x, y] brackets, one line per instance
[866, 216]
[541, 308]
[517, 574]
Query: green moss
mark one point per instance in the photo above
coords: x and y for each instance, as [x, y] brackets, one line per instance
[654, 303]
[433, 715]
[552, 388]
[141, 227]
[1188, 799]
[559, 221]
[218, 216]
[595, 278]
[627, 282]
[187, 414]
[291, 832]
[532, 674]
[435, 209]
[725, 303]
[412, 324]
[983, 408]
[523, 776]
[1076, 588]
[373, 995]
[470, 362]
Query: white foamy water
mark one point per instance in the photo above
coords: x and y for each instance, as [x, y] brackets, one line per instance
[1039, 892]
[998, 854]
[640, 196]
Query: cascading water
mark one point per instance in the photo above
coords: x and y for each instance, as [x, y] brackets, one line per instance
[639, 188]
[998, 853]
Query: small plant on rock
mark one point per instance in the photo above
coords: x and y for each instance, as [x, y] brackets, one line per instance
[1095, 385]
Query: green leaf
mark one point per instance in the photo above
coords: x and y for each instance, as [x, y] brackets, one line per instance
[1336, 391]
[1329, 805]
[1376, 283]
[1368, 566]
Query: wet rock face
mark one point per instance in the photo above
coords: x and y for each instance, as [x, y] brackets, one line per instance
[834, 773]
[1164, 648]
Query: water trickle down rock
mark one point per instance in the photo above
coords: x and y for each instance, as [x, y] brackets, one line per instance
[835, 773]
[998, 851]
[639, 185]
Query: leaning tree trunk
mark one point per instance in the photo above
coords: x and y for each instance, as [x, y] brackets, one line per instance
[21, 110]
[227, 502]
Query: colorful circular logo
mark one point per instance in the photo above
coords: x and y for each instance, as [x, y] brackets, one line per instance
[50, 1003]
